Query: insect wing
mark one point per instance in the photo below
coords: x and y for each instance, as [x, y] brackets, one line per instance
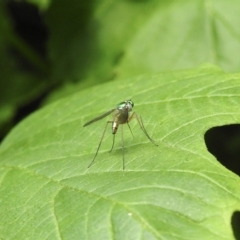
[99, 117]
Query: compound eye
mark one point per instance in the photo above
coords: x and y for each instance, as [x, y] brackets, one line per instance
[131, 103]
[127, 104]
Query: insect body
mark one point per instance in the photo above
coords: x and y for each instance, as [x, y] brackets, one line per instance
[120, 116]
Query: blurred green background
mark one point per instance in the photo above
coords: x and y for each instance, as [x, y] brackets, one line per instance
[51, 49]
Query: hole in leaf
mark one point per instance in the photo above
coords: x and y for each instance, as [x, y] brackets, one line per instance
[236, 225]
[224, 143]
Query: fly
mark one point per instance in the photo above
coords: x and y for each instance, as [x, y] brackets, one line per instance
[120, 116]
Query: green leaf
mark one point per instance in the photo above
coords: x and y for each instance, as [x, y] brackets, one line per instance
[96, 41]
[42, 4]
[72, 41]
[17, 86]
[165, 35]
[177, 190]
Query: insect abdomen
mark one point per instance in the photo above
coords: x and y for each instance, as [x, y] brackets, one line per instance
[114, 127]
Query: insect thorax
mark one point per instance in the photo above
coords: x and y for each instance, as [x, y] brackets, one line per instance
[121, 116]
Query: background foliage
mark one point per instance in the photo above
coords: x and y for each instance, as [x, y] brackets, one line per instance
[129, 49]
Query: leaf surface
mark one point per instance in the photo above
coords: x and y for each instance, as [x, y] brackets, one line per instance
[177, 190]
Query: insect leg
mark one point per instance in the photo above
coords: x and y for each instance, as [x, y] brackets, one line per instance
[99, 145]
[140, 122]
[123, 149]
[113, 142]
[130, 129]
